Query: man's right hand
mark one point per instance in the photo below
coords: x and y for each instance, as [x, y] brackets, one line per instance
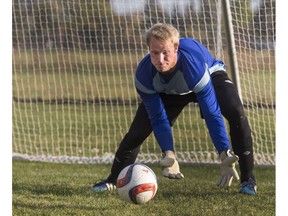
[170, 166]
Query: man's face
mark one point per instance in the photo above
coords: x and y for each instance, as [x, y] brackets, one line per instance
[163, 55]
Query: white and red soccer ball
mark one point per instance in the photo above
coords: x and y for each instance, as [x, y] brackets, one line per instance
[137, 184]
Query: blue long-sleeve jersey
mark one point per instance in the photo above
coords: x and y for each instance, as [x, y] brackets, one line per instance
[191, 73]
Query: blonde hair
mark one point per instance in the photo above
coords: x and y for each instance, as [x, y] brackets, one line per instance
[163, 32]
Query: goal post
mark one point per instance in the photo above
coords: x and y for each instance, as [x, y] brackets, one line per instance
[74, 64]
[231, 45]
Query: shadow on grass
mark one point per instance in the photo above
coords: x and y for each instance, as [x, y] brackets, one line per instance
[53, 189]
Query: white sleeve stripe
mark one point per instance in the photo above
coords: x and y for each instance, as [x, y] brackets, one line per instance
[217, 67]
[203, 82]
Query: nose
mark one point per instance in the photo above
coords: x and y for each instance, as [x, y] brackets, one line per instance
[161, 58]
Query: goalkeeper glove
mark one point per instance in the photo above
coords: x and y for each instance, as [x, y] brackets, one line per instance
[228, 171]
[170, 166]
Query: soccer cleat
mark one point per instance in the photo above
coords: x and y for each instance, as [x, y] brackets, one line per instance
[248, 187]
[104, 186]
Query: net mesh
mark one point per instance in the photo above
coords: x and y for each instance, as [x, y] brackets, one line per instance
[73, 72]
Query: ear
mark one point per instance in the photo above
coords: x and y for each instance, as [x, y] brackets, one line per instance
[176, 46]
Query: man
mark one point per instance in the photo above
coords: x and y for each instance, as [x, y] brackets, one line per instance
[174, 73]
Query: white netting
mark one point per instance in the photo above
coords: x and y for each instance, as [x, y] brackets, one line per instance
[73, 67]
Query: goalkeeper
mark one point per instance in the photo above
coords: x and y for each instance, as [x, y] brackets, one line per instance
[173, 74]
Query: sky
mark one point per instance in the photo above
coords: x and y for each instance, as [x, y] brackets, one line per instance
[125, 7]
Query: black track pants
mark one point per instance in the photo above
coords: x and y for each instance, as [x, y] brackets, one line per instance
[240, 131]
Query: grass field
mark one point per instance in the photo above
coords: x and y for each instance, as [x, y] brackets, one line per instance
[88, 75]
[42, 126]
[64, 189]
[92, 130]
[56, 108]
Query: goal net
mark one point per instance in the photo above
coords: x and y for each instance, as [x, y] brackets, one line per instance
[74, 64]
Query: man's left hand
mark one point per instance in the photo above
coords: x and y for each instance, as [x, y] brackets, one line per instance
[228, 170]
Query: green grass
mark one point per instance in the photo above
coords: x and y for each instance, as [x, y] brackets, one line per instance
[64, 189]
[88, 75]
[90, 130]
[84, 127]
